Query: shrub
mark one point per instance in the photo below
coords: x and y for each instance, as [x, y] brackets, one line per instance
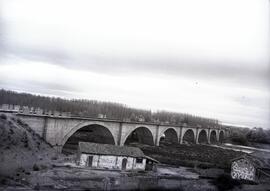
[240, 139]
[11, 131]
[21, 169]
[19, 121]
[25, 139]
[3, 181]
[43, 167]
[37, 187]
[35, 167]
[3, 116]
[225, 182]
[54, 158]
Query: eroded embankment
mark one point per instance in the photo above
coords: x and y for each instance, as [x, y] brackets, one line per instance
[21, 149]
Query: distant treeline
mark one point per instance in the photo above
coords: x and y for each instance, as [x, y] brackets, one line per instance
[244, 136]
[259, 135]
[92, 108]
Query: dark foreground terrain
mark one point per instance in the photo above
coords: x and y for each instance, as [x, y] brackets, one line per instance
[203, 156]
[29, 163]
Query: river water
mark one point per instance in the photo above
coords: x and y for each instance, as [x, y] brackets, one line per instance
[241, 148]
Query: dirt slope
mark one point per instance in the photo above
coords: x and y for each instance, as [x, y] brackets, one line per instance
[21, 149]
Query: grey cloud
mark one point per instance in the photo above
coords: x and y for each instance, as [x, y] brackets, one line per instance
[32, 86]
[245, 74]
[258, 102]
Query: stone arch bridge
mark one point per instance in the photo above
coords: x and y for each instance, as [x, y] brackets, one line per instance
[57, 130]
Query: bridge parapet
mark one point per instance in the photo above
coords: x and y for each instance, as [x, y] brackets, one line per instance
[39, 111]
[31, 110]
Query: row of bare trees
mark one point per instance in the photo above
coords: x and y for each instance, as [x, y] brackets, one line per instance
[92, 108]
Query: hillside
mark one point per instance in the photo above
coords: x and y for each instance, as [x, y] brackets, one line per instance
[21, 149]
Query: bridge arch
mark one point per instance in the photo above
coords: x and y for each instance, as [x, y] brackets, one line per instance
[140, 134]
[213, 136]
[202, 136]
[188, 135]
[89, 132]
[168, 135]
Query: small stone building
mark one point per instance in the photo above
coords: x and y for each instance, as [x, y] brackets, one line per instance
[252, 167]
[113, 157]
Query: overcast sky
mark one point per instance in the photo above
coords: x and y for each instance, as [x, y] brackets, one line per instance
[208, 58]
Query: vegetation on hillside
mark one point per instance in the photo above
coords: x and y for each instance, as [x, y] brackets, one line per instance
[245, 136]
[91, 108]
[21, 149]
[259, 135]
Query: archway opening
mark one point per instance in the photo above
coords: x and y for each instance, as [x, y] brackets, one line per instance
[189, 137]
[202, 137]
[140, 135]
[169, 137]
[124, 164]
[221, 137]
[91, 133]
[213, 137]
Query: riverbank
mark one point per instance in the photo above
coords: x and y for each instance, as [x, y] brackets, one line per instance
[70, 178]
[164, 178]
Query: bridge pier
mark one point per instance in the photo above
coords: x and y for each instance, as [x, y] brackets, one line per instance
[208, 137]
[217, 136]
[157, 136]
[197, 135]
[44, 133]
[119, 134]
[180, 135]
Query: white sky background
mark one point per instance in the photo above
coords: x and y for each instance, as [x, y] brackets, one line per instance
[209, 58]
